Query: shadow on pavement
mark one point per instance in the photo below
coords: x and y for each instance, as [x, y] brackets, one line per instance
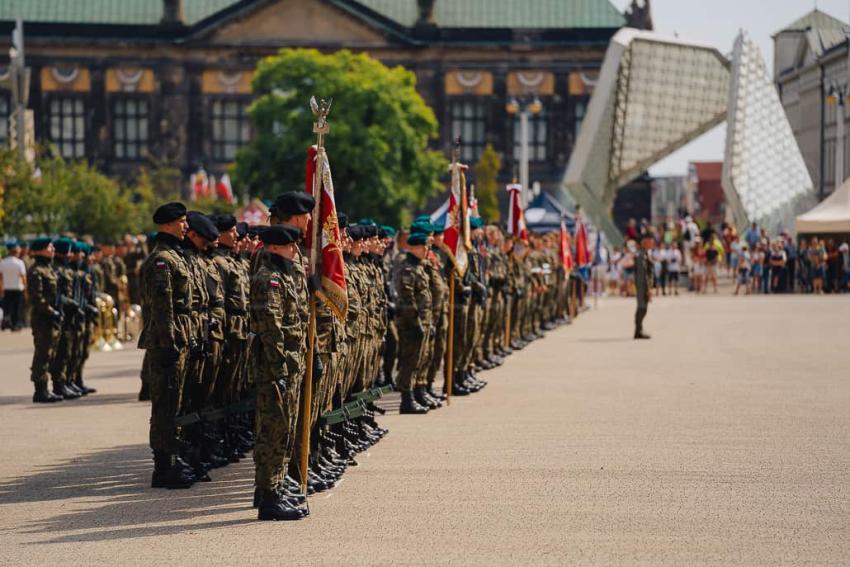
[607, 340]
[91, 400]
[109, 498]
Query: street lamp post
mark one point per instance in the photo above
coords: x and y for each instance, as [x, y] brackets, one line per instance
[524, 109]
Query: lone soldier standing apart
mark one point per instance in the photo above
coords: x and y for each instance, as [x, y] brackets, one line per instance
[166, 286]
[643, 282]
[279, 318]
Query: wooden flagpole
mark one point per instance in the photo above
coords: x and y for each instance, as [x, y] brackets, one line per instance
[320, 128]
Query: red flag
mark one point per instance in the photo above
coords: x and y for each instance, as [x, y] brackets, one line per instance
[333, 290]
[516, 217]
[223, 189]
[582, 251]
[456, 240]
[566, 251]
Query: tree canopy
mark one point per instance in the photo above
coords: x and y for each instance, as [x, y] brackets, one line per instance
[486, 184]
[380, 128]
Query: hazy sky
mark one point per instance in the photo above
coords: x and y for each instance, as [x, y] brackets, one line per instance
[717, 22]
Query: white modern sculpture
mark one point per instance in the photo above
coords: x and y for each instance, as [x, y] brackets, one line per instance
[654, 95]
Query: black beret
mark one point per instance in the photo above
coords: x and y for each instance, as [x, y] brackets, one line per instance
[370, 230]
[223, 222]
[342, 219]
[256, 229]
[201, 224]
[280, 234]
[169, 212]
[63, 245]
[381, 232]
[241, 229]
[294, 203]
[355, 232]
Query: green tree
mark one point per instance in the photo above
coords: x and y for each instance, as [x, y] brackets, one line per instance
[486, 184]
[378, 141]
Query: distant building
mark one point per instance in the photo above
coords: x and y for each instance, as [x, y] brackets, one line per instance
[704, 178]
[669, 197]
[810, 58]
[116, 82]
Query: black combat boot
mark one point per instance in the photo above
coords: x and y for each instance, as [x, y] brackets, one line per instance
[169, 473]
[273, 505]
[43, 396]
[430, 390]
[458, 389]
[410, 406]
[82, 387]
[59, 388]
[420, 394]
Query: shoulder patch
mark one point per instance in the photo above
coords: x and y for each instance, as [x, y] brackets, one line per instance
[161, 265]
[274, 283]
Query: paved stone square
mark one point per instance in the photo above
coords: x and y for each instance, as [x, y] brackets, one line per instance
[725, 440]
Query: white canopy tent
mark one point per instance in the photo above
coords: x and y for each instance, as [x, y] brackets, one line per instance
[830, 215]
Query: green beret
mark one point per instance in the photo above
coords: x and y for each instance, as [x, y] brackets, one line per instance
[424, 227]
[417, 238]
[367, 222]
[40, 243]
[389, 231]
[476, 222]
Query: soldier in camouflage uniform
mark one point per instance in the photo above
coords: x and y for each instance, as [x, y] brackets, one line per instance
[414, 313]
[440, 303]
[167, 292]
[234, 355]
[45, 317]
[71, 327]
[88, 302]
[279, 314]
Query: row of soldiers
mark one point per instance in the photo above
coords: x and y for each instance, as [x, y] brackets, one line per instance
[65, 279]
[226, 312]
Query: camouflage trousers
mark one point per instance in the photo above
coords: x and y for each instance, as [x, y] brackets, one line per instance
[62, 360]
[45, 334]
[410, 350]
[275, 430]
[165, 381]
[438, 354]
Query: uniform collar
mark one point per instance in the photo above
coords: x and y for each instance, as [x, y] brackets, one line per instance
[283, 264]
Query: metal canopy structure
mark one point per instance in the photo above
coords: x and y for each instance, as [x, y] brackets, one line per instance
[654, 95]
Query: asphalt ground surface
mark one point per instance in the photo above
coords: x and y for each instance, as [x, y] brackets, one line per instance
[724, 440]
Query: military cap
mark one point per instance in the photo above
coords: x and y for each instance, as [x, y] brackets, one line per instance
[256, 229]
[370, 230]
[12, 243]
[201, 224]
[422, 218]
[417, 238]
[438, 228]
[355, 232]
[40, 243]
[223, 222]
[476, 222]
[169, 212]
[79, 246]
[241, 230]
[367, 222]
[342, 220]
[63, 245]
[389, 232]
[280, 234]
[294, 203]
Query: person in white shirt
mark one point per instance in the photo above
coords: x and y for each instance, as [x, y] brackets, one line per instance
[13, 285]
[743, 269]
[674, 264]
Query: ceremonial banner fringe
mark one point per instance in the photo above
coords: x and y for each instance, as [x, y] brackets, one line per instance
[333, 291]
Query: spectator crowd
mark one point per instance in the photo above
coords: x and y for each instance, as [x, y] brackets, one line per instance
[690, 257]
